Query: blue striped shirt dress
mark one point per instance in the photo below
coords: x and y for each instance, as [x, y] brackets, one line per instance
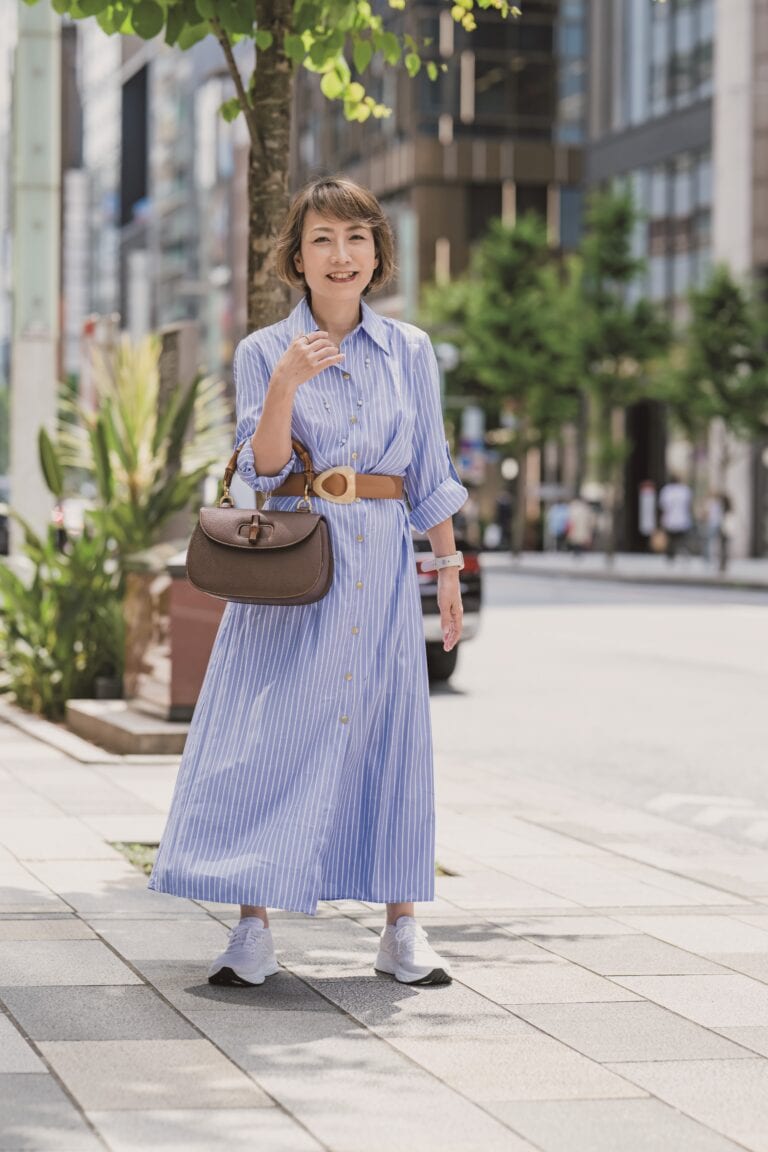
[307, 774]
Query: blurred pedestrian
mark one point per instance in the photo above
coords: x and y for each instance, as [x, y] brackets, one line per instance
[676, 512]
[718, 526]
[557, 525]
[581, 526]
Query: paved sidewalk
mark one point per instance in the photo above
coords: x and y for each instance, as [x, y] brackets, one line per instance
[611, 990]
[635, 568]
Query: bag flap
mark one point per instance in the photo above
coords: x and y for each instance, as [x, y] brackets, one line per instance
[232, 527]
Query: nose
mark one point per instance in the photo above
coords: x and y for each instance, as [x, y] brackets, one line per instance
[340, 254]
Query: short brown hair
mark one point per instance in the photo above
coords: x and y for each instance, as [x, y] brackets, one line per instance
[340, 199]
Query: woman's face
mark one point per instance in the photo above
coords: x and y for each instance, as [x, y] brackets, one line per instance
[337, 257]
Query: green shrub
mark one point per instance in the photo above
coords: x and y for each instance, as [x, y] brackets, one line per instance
[64, 628]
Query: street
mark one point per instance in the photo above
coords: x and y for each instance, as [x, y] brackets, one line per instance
[602, 897]
[626, 692]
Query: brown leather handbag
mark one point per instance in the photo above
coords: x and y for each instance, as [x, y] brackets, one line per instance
[252, 556]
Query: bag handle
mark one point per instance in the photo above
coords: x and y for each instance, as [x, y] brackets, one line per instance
[226, 500]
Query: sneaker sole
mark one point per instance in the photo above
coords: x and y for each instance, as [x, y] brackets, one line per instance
[436, 976]
[228, 976]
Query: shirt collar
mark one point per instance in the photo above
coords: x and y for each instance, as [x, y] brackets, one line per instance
[301, 320]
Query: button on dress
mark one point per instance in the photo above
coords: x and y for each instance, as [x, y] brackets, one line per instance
[307, 773]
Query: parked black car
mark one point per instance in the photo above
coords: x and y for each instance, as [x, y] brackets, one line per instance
[441, 664]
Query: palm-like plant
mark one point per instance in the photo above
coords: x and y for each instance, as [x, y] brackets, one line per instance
[147, 453]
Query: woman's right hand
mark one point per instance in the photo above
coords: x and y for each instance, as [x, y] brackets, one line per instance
[305, 357]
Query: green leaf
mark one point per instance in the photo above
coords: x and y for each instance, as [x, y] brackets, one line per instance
[101, 460]
[192, 35]
[412, 63]
[432, 70]
[148, 19]
[174, 24]
[331, 86]
[361, 54]
[293, 46]
[264, 39]
[390, 47]
[206, 8]
[92, 7]
[230, 109]
[49, 462]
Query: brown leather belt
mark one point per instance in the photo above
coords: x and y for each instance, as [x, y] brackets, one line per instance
[342, 485]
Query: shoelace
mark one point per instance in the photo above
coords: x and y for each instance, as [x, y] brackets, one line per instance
[248, 934]
[412, 933]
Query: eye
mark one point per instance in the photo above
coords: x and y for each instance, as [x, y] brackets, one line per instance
[358, 236]
[320, 240]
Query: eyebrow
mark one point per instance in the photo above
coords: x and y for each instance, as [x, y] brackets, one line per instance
[349, 227]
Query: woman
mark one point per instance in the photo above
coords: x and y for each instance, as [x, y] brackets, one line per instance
[307, 774]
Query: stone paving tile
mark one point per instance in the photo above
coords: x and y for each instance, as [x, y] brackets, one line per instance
[754, 1038]
[78, 790]
[107, 1075]
[494, 890]
[390, 1008]
[634, 1031]
[689, 891]
[196, 940]
[530, 1067]
[538, 978]
[44, 838]
[21, 892]
[36, 1116]
[752, 964]
[574, 924]
[702, 934]
[16, 1055]
[38, 962]
[133, 828]
[730, 1096]
[195, 1130]
[150, 783]
[46, 928]
[341, 1082]
[186, 987]
[109, 888]
[610, 1126]
[109, 1012]
[628, 956]
[591, 884]
[714, 1001]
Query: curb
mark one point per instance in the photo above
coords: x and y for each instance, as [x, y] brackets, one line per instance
[60, 738]
[734, 583]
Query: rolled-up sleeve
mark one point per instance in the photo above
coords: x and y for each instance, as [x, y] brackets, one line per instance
[432, 483]
[251, 378]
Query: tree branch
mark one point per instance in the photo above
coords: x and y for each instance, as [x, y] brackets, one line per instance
[234, 71]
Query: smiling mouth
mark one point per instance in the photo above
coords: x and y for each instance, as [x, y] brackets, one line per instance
[342, 277]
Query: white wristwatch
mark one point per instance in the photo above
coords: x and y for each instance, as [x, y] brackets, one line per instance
[452, 560]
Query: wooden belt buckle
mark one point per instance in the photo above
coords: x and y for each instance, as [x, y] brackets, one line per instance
[347, 496]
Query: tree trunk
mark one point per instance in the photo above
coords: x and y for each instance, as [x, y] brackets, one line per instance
[272, 96]
[518, 521]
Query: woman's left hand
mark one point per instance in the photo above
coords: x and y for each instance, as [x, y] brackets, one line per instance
[449, 603]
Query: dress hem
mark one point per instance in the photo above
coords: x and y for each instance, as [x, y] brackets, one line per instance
[309, 907]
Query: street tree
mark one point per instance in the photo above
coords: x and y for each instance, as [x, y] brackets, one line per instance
[721, 369]
[513, 317]
[619, 337]
[337, 39]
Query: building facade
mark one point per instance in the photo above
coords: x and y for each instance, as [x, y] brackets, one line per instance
[499, 133]
[677, 113]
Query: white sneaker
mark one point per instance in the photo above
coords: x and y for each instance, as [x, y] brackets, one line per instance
[249, 956]
[405, 953]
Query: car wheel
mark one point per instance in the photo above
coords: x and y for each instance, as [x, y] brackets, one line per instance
[441, 664]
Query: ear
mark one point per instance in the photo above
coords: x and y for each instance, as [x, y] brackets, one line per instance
[298, 262]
